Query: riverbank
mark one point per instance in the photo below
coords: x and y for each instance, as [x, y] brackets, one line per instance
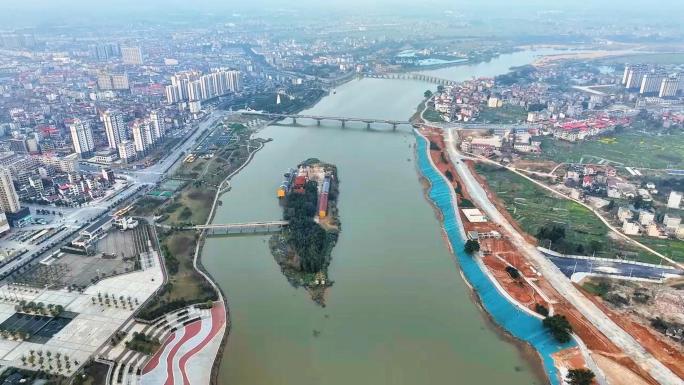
[204, 181]
[514, 317]
[597, 344]
[197, 263]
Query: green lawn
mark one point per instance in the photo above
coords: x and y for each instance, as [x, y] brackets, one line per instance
[191, 205]
[505, 114]
[432, 116]
[146, 206]
[629, 149]
[670, 247]
[533, 207]
[185, 285]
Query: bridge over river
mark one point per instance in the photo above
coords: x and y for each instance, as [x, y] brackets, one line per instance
[393, 123]
[341, 119]
[413, 76]
[239, 228]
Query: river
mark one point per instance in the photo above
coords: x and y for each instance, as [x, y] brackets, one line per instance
[399, 311]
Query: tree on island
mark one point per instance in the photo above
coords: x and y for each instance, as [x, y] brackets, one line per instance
[427, 94]
[559, 327]
[307, 237]
[580, 377]
[471, 246]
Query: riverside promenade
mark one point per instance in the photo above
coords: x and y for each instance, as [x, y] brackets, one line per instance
[500, 306]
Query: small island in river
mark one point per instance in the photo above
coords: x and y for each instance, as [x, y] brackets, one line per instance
[303, 249]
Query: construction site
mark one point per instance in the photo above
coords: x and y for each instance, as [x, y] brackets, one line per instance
[522, 280]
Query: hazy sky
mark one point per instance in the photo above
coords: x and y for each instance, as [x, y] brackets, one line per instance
[70, 11]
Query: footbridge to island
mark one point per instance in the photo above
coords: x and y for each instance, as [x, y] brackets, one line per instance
[265, 227]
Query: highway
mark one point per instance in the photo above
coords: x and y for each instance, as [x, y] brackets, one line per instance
[140, 180]
[556, 278]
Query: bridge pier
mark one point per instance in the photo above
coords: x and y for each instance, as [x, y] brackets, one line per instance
[294, 121]
[318, 122]
[394, 126]
[344, 123]
[368, 125]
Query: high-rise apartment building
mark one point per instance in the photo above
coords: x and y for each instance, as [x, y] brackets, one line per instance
[633, 76]
[106, 51]
[127, 151]
[157, 122]
[104, 81]
[671, 86]
[120, 81]
[131, 55]
[114, 128]
[651, 82]
[107, 81]
[143, 136]
[9, 199]
[193, 86]
[82, 138]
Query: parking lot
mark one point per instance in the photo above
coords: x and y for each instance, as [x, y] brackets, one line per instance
[116, 253]
[217, 139]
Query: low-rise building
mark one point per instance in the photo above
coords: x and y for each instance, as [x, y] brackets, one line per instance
[106, 157]
[680, 232]
[674, 200]
[624, 214]
[671, 222]
[630, 228]
[652, 230]
[646, 218]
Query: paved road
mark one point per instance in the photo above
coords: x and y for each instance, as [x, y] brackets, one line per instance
[156, 172]
[556, 278]
[74, 218]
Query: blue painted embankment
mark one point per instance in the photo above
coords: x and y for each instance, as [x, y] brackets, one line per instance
[515, 321]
